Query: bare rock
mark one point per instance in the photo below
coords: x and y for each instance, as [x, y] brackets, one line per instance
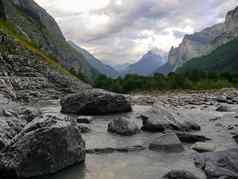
[168, 143]
[45, 146]
[123, 126]
[95, 102]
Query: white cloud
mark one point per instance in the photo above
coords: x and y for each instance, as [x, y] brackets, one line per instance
[122, 30]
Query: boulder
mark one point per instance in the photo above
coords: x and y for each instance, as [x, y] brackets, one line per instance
[160, 119]
[191, 138]
[204, 147]
[223, 108]
[221, 99]
[46, 145]
[218, 165]
[95, 102]
[123, 126]
[168, 143]
[180, 174]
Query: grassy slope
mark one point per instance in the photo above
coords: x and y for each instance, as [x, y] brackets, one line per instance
[10, 30]
[223, 59]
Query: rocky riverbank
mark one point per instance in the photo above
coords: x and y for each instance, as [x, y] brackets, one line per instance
[170, 135]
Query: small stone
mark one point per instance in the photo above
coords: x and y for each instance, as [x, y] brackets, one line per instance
[204, 147]
[167, 143]
[179, 174]
[215, 119]
[83, 128]
[84, 119]
[123, 126]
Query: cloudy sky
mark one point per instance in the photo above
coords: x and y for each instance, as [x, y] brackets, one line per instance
[120, 31]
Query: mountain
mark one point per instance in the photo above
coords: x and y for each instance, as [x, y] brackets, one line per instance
[202, 43]
[146, 65]
[223, 59]
[39, 27]
[121, 67]
[95, 63]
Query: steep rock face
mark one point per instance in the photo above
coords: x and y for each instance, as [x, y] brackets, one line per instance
[204, 42]
[95, 63]
[146, 65]
[39, 26]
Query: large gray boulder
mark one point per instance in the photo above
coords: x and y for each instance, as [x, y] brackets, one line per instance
[218, 165]
[95, 102]
[168, 143]
[46, 145]
[160, 119]
[123, 126]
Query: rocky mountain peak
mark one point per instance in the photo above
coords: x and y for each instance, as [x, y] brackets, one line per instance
[231, 21]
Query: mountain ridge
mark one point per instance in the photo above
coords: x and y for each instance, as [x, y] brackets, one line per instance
[146, 65]
[42, 29]
[96, 63]
[203, 42]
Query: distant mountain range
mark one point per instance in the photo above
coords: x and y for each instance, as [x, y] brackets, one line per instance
[121, 67]
[202, 43]
[146, 66]
[96, 63]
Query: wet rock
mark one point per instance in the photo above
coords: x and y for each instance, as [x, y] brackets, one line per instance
[107, 150]
[84, 119]
[218, 165]
[191, 138]
[168, 143]
[223, 109]
[180, 174]
[46, 145]
[204, 147]
[95, 102]
[83, 128]
[123, 126]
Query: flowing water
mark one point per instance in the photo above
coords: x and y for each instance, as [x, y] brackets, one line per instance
[143, 164]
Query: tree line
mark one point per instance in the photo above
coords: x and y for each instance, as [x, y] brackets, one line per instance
[195, 80]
